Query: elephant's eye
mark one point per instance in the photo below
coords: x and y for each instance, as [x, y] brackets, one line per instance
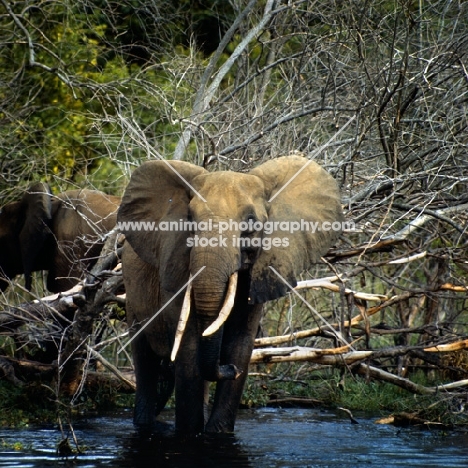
[189, 220]
[249, 224]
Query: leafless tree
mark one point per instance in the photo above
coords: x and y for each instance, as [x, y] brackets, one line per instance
[375, 91]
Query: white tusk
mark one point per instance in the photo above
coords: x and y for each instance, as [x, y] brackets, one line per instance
[184, 315]
[227, 306]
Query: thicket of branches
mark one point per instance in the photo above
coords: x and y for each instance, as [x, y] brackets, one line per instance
[375, 91]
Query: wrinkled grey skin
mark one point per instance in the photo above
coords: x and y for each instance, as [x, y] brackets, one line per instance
[59, 234]
[157, 264]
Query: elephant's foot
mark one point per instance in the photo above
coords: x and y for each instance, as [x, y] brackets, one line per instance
[142, 422]
[144, 416]
[145, 428]
[219, 427]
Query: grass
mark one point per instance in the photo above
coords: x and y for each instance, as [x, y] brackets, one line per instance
[332, 389]
[283, 384]
[36, 404]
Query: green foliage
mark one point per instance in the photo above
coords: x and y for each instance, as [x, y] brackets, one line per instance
[71, 67]
[90, 62]
[16, 445]
[49, 121]
[22, 406]
[36, 403]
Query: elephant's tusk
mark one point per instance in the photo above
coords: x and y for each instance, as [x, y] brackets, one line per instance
[184, 315]
[227, 306]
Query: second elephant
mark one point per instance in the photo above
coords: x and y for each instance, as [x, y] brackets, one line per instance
[241, 240]
[60, 234]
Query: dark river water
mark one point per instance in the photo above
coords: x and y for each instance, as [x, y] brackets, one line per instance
[264, 438]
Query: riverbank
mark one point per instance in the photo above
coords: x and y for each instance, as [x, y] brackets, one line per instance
[329, 390]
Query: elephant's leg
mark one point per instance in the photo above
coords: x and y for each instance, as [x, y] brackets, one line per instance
[238, 341]
[155, 383]
[190, 387]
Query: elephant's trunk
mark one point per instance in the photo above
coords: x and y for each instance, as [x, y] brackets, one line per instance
[213, 299]
[209, 352]
[227, 306]
[214, 326]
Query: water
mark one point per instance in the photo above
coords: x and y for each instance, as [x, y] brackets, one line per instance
[264, 438]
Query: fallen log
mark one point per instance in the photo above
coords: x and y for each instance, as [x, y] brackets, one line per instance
[443, 348]
[379, 374]
[293, 402]
[411, 419]
[96, 381]
[20, 371]
[130, 383]
[301, 353]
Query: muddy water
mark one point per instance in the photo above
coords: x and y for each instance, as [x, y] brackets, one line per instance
[264, 438]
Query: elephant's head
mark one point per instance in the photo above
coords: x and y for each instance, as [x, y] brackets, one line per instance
[24, 230]
[238, 231]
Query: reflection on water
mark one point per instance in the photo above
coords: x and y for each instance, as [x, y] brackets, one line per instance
[264, 438]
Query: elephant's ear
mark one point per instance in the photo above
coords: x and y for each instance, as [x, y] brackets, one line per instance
[36, 206]
[299, 191]
[159, 191]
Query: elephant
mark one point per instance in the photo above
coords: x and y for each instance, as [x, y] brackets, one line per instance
[61, 234]
[226, 277]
